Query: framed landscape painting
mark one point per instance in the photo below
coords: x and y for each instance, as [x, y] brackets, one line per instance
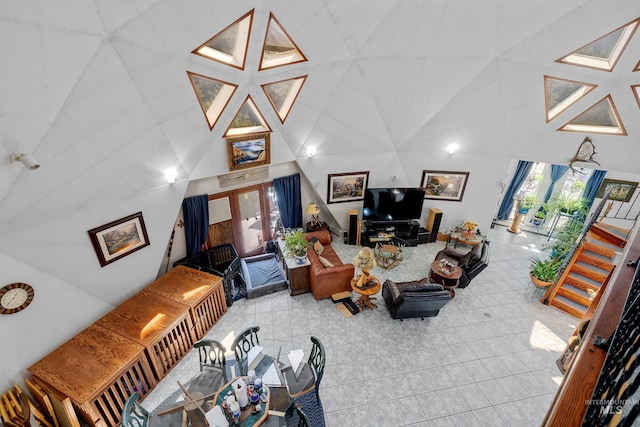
[347, 187]
[444, 185]
[119, 238]
[248, 151]
[621, 191]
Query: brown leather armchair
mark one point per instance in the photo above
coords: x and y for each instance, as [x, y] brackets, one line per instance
[336, 277]
[471, 262]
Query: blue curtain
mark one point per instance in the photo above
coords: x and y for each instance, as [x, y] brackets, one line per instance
[196, 222]
[289, 202]
[592, 186]
[522, 171]
[556, 173]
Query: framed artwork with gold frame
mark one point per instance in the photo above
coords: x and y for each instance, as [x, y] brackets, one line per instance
[248, 151]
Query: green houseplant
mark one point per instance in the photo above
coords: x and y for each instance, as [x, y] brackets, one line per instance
[527, 203]
[544, 271]
[296, 244]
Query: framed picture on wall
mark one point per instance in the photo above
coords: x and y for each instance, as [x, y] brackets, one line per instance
[347, 187]
[119, 238]
[248, 151]
[444, 185]
[621, 191]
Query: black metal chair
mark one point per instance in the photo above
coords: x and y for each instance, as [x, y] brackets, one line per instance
[309, 403]
[303, 420]
[243, 343]
[134, 414]
[211, 353]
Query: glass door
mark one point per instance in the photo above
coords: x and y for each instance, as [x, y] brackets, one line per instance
[253, 218]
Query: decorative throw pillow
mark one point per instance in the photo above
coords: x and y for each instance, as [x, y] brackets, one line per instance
[317, 246]
[325, 262]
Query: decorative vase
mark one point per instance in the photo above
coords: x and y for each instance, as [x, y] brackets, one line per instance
[468, 233]
[301, 259]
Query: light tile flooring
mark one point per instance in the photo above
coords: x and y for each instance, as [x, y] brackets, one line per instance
[488, 358]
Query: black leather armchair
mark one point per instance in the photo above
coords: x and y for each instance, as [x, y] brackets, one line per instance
[471, 262]
[419, 298]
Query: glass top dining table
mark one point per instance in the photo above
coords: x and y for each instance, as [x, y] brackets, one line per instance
[207, 384]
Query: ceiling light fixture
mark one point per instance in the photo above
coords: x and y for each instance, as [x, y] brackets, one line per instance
[311, 151]
[26, 159]
[452, 148]
[170, 175]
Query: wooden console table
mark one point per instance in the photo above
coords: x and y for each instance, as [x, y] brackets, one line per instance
[98, 369]
[162, 326]
[202, 292]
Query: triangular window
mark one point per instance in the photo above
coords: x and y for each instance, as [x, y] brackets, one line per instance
[637, 67]
[283, 94]
[247, 120]
[602, 117]
[229, 46]
[603, 53]
[279, 49]
[560, 94]
[636, 92]
[213, 95]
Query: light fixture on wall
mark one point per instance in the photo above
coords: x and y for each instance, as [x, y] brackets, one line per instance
[452, 148]
[311, 151]
[26, 159]
[170, 175]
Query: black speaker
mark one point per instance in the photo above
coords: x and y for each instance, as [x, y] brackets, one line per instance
[423, 235]
[353, 227]
[345, 236]
[433, 223]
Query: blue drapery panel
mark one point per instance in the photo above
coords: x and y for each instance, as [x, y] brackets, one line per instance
[522, 171]
[289, 201]
[556, 173]
[196, 222]
[592, 186]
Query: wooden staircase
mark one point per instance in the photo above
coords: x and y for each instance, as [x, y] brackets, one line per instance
[587, 271]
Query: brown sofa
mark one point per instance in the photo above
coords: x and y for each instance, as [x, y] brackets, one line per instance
[326, 281]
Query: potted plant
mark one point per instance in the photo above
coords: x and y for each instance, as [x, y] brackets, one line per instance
[296, 244]
[539, 217]
[543, 272]
[526, 204]
[566, 238]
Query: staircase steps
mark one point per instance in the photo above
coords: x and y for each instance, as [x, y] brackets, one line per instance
[592, 263]
[614, 235]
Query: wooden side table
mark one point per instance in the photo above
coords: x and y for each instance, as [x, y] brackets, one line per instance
[298, 275]
[448, 279]
[365, 302]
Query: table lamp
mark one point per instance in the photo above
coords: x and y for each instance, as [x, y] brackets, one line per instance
[314, 210]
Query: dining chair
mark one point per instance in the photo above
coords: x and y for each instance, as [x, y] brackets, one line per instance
[211, 354]
[134, 414]
[309, 403]
[303, 420]
[316, 361]
[243, 343]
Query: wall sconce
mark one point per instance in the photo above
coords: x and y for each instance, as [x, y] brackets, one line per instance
[311, 151]
[26, 159]
[452, 148]
[170, 175]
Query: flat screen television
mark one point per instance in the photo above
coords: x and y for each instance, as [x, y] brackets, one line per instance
[392, 204]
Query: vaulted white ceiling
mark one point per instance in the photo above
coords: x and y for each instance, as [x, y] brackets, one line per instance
[98, 92]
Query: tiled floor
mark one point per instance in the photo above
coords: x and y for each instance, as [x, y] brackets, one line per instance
[488, 358]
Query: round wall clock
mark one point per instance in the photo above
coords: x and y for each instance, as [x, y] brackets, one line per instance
[15, 297]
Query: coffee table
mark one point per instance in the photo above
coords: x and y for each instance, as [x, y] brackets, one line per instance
[446, 276]
[365, 302]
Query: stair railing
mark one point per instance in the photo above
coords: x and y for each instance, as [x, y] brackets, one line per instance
[620, 209]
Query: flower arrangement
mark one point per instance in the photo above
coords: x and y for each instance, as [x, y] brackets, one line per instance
[468, 226]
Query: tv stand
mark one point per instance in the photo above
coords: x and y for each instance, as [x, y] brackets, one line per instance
[385, 231]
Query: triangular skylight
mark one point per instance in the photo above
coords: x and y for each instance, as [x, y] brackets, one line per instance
[247, 120]
[560, 94]
[283, 94]
[229, 46]
[213, 95]
[636, 92]
[279, 49]
[604, 52]
[602, 117]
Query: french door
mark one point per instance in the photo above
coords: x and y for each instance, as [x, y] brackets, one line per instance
[255, 218]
